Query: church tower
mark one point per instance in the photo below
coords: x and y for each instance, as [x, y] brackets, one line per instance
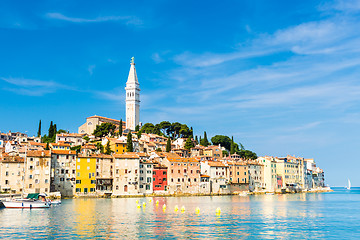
[132, 98]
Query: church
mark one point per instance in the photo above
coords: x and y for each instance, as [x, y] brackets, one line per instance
[132, 107]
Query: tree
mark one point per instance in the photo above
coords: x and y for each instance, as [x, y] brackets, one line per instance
[100, 147]
[76, 148]
[61, 131]
[137, 128]
[104, 129]
[108, 149]
[168, 145]
[225, 153]
[188, 144]
[148, 128]
[120, 128]
[164, 126]
[204, 142]
[39, 130]
[54, 133]
[47, 146]
[51, 130]
[192, 133]
[232, 147]
[129, 145]
[247, 155]
[224, 141]
[174, 130]
[158, 150]
[184, 131]
[86, 138]
[196, 140]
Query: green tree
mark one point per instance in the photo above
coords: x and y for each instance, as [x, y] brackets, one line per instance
[54, 133]
[129, 145]
[148, 128]
[189, 144]
[47, 146]
[100, 147]
[224, 141]
[164, 126]
[86, 138]
[232, 147]
[247, 155]
[120, 128]
[204, 142]
[61, 131]
[76, 148]
[196, 140]
[108, 150]
[225, 153]
[168, 145]
[192, 133]
[39, 130]
[104, 129]
[175, 130]
[51, 130]
[137, 128]
[158, 150]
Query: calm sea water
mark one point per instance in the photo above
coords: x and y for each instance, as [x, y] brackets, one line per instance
[333, 215]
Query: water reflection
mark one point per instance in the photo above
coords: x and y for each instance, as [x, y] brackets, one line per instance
[289, 216]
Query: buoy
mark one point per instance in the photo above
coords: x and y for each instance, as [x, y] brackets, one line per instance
[157, 202]
[176, 208]
[218, 211]
[197, 210]
[138, 206]
[164, 206]
[137, 201]
[150, 200]
[182, 209]
[144, 204]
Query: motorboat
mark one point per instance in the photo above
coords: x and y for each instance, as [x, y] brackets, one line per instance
[33, 201]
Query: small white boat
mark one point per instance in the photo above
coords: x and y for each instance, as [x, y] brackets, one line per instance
[243, 194]
[269, 193]
[55, 202]
[26, 204]
[29, 203]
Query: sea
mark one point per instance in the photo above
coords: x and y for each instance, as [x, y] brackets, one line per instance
[333, 215]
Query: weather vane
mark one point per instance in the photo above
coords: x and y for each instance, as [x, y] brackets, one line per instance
[132, 60]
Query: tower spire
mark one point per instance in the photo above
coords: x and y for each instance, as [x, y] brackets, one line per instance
[132, 98]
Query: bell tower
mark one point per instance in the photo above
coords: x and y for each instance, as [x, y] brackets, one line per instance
[132, 98]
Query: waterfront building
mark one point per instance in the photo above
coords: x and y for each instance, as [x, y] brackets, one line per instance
[291, 170]
[270, 175]
[146, 176]
[183, 173]
[218, 172]
[256, 176]
[126, 174]
[11, 173]
[104, 174]
[160, 173]
[91, 122]
[37, 171]
[132, 98]
[238, 176]
[85, 175]
[74, 139]
[63, 172]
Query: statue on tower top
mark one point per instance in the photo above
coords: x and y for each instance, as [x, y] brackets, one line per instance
[132, 60]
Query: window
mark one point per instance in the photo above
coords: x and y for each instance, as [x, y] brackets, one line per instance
[164, 173]
[164, 179]
[78, 181]
[184, 170]
[93, 181]
[61, 179]
[126, 171]
[141, 186]
[148, 180]
[6, 182]
[6, 173]
[147, 187]
[92, 189]
[46, 180]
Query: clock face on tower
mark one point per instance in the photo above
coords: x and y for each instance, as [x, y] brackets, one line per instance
[132, 98]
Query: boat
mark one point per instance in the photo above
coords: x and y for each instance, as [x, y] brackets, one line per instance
[35, 200]
[349, 185]
[243, 194]
[269, 193]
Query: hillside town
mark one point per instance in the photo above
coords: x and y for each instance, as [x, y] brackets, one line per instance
[111, 157]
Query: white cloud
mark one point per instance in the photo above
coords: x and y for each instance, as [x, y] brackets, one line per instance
[128, 20]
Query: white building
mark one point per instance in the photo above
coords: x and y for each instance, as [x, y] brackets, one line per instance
[132, 98]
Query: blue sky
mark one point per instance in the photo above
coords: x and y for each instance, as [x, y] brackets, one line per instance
[282, 77]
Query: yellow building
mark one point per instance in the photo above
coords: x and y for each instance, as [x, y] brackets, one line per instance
[117, 145]
[85, 175]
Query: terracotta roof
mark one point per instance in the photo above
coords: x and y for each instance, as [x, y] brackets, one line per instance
[45, 153]
[11, 159]
[203, 175]
[64, 152]
[126, 155]
[60, 144]
[216, 164]
[71, 135]
[101, 156]
[37, 144]
[105, 118]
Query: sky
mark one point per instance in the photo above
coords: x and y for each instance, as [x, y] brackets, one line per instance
[281, 77]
